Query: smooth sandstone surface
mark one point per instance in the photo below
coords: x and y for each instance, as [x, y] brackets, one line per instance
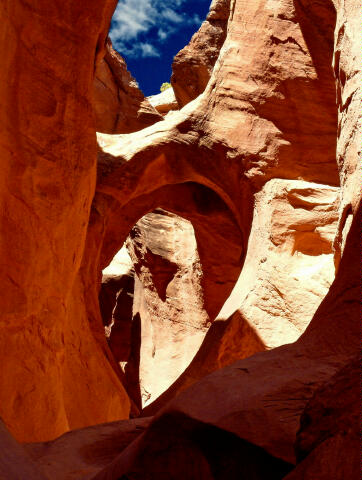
[80, 454]
[250, 158]
[328, 442]
[54, 376]
[119, 105]
[268, 392]
[15, 463]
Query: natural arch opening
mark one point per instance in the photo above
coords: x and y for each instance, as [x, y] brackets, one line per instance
[165, 286]
[292, 112]
[158, 320]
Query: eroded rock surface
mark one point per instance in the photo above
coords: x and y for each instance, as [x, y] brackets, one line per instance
[251, 99]
[259, 113]
[168, 299]
[164, 102]
[266, 393]
[54, 375]
[192, 66]
[289, 264]
[119, 104]
[287, 272]
[80, 454]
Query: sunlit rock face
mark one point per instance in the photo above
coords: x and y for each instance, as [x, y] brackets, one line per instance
[254, 121]
[119, 105]
[168, 300]
[164, 102]
[287, 272]
[250, 162]
[152, 304]
[289, 265]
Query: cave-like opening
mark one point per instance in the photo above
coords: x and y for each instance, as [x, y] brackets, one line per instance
[165, 285]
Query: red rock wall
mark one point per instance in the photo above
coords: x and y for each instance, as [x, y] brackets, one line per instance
[119, 105]
[53, 376]
[193, 65]
[272, 84]
[265, 110]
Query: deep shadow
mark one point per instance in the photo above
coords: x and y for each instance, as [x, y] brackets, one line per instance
[193, 450]
[132, 383]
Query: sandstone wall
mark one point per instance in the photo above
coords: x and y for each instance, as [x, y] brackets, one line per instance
[273, 84]
[193, 65]
[257, 137]
[271, 89]
[53, 375]
[119, 105]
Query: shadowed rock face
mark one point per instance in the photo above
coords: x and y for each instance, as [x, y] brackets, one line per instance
[15, 463]
[250, 161]
[82, 453]
[54, 376]
[330, 433]
[119, 105]
[193, 65]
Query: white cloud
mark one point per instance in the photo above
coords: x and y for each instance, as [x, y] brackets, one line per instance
[162, 35]
[170, 15]
[140, 50]
[133, 19]
[148, 50]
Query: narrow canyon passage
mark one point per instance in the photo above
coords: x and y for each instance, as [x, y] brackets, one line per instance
[283, 255]
[180, 271]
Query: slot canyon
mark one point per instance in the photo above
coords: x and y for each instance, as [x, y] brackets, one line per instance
[181, 272]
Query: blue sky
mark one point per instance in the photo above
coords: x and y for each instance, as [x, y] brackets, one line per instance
[149, 33]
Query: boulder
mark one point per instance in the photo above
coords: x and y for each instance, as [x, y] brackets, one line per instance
[80, 454]
[164, 102]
